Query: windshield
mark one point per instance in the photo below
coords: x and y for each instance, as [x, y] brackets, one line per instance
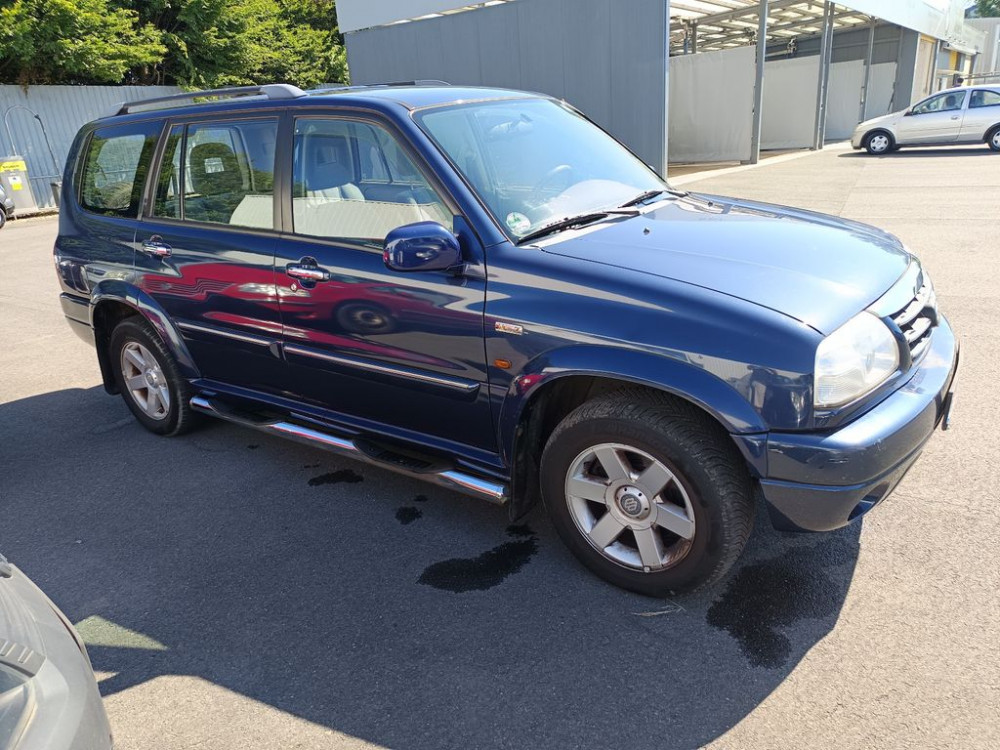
[534, 161]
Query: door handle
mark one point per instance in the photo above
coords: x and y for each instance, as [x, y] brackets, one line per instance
[155, 247]
[307, 272]
[956, 117]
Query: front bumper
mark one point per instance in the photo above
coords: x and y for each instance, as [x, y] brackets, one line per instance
[823, 481]
[856, 140]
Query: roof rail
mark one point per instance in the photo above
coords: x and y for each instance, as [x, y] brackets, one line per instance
[270, 91]
[336, 87]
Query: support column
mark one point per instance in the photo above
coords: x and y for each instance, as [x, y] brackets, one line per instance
[694, 37]
[822, 89]
[758, 90]
[863, 114]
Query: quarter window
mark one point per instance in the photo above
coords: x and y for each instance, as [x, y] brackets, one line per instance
[115, 168]
[985, 99]
[226, 175]
[353, 181]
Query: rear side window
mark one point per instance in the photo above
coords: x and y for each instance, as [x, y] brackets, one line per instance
[985, 99]
[219, 173]
[115, 168]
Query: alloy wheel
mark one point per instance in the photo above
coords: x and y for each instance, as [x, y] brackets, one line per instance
[145, 381]
[630, 507]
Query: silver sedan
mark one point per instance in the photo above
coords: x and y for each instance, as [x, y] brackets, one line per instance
[968, 114]
[48, 696]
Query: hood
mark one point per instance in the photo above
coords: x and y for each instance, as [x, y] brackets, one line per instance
[818, 269]
[885, 120]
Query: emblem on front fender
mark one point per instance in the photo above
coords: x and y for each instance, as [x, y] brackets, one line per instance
[510, 328]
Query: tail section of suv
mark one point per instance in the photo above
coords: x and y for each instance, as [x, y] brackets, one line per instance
[481, 289]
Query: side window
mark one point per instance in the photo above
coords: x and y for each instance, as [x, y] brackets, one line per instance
[941, 103]
[985, 99]
[219, 173]
[353, 181]
[115, 168]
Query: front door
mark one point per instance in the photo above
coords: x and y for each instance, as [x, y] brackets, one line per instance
[934, 120]
[205, 249]
[400, 350]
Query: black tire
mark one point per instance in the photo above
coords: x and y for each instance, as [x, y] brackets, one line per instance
[178, 417]
[993, 139]
[3, 217]
[879, 143]
[699, 454]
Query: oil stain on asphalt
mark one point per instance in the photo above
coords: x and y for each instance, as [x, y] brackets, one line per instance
[767, 596]
[488, 569]
[408, 515]
[336, 477]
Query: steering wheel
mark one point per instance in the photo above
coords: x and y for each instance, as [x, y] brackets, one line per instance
[562, 172]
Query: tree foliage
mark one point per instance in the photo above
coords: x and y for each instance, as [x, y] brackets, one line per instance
[71, 41]
[988, 8]
[192, 43]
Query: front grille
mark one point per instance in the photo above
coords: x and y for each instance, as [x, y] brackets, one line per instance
[917, 320]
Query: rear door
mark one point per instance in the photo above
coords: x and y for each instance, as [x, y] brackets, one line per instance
[205, 247]
[401, 349]
[934, 120]
[983, 113]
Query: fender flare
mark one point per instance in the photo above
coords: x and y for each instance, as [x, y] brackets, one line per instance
[682, 379]
[122, 292]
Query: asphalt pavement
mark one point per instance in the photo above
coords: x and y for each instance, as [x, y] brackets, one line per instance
[238, 591]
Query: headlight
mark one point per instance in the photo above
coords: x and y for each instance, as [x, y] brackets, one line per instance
[854, 360]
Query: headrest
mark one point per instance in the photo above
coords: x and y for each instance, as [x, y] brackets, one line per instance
[215, 169]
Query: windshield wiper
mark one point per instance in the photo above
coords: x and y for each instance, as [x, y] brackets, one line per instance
[574, 221]
[643, 197]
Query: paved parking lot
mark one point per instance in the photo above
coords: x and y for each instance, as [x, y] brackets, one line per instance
[238, 591]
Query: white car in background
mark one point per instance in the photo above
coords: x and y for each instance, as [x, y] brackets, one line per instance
[967, 114]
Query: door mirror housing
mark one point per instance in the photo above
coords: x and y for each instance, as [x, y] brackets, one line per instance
[908, 113]
[424, 246]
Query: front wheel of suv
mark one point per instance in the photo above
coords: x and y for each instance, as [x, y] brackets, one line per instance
[148, 378]
[647, 492]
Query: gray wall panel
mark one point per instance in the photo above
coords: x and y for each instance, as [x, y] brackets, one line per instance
[605, 57]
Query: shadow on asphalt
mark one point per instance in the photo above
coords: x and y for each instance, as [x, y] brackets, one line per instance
[917, 152]
[385, 609]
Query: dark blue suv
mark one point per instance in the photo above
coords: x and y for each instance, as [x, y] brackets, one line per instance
[482, 289]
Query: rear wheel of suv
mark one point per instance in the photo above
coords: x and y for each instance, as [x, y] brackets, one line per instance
[148, 378]
[647, 492]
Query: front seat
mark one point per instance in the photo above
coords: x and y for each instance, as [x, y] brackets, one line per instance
[217, 180]
[951, 102]
[324, 176]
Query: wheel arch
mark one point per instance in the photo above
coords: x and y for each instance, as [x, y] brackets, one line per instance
[990, 131]
[537, 401]
[113, 301]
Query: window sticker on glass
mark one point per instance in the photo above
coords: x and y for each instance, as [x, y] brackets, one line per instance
[518, 223]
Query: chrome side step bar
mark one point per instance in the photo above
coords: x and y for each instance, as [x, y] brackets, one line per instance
[491, 491]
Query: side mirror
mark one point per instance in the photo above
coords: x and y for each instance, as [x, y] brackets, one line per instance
[908, 113]
[424, 246]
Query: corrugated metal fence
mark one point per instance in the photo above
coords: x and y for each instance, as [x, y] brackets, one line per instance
[27, 116]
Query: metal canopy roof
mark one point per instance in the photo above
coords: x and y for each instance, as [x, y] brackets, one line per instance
[722, 24]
